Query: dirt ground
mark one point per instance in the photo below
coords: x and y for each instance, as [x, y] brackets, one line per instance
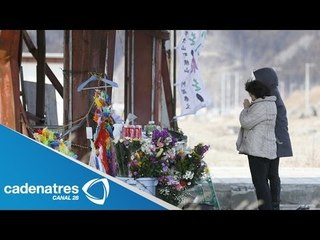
[221, 134]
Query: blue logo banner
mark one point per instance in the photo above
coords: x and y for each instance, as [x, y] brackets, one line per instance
[36, 177]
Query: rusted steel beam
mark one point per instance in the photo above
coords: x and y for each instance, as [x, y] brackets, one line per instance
[23, 91]
[54, 80]
[111, 41]
[79, 101]
[33, 50]
[128, 72]
[31, 47]
[167, 89]
[25, 124]
[88, 55]
[66, 77]
[142, 77]
[157, 79]
[143, 72]
[10, 55]
[41, 58]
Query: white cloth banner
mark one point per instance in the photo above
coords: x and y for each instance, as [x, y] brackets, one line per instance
[190, 86]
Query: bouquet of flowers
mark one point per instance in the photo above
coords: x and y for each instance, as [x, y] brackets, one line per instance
[176, 169]
[154, 156]
[187, 169]
[124, 149]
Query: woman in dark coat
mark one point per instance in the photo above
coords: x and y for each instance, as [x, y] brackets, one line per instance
[284, 149]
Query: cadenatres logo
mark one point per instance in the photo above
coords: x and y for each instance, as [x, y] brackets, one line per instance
[105, 188]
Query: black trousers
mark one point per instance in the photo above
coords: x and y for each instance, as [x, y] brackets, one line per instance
[266, 180]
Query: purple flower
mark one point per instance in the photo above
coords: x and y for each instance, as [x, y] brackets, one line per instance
[163, 138]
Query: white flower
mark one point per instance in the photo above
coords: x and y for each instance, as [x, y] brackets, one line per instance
[165, 192]
[188, 175]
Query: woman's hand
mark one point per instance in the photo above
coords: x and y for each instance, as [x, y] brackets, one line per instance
[246, 103]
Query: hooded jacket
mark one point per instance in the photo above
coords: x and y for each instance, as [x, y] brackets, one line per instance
[269, 77]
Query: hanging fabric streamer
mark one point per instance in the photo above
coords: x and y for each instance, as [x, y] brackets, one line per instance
[104, 132]
[193, 94]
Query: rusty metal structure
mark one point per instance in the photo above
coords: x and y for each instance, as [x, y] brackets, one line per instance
[146, 80]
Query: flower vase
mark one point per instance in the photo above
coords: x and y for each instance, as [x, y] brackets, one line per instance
[147, 184]
[128, 180]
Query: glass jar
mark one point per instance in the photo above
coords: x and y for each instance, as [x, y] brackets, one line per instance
[149, 128]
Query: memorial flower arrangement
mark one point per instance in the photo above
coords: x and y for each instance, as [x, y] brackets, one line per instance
[154, 156]
[176, 170]
[187, 169]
